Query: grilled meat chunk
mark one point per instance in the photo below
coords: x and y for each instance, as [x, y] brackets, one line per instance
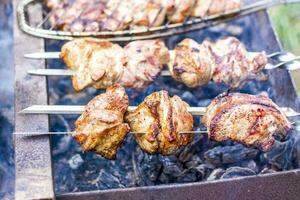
[145, 60]
[116, 15]
[225, 61]
[100, 128]
[233, 64]
[96, 62]
[162, 118]
[119, 15]
[182, 9]
[78, 16]
[100, 63]
[204, 8]
[191, 63]
[247, 119]
[151, 13]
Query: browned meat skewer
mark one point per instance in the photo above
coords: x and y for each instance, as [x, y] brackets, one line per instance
[225, 61]
[161, 118]
[101, 63]
[247, 119]
[116, 15]
[101, 126]
[163, 124]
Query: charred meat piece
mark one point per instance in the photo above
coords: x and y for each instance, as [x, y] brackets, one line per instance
[191, 63]
[204, 8]
[96, 62]
[100, 128]
[233, 64]
[145, 60]
[247, 119]
[182, 9]
[162, 118]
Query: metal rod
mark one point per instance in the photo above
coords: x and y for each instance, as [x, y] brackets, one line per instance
[69, 109]
[55, 55]
[67, 72]
[70, 133]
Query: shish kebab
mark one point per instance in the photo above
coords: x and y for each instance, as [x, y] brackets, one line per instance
[117, 15]
[100, 63]
[160, 121]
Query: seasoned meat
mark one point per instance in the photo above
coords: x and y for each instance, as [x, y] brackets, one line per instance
[145, 60]
[162, 118]
[149, 14]
[95, 62]
[80, 15]
[117, 15]
[100, 63]
[100, 128]
[233, 64]
[247, 119]
[205, 8]
[191, 63]
[182, 9]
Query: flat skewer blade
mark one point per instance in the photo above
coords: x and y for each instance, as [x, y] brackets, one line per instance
[50, 72]
[43, 55]
[67, 72]
[68, 109]
[34, 134]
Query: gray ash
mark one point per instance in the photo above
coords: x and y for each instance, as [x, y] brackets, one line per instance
[202, 160]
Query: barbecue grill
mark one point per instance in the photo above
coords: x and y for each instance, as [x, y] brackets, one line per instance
[43, 29]
[42, 171]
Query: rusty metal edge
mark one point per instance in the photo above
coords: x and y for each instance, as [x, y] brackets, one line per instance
[34, 179]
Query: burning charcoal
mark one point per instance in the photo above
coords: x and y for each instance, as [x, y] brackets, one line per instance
[204, 102]
[189, 175]
[229, 154]
[204, 170]
[62, 145]
[187, 153]
[147, 168]
[189, 97]
[170, 165]
[171, 169]
[251, 164]
[109, 181]
[76, 161]
[215, 174]
[193, 162]
[280, 155]
[237, 172]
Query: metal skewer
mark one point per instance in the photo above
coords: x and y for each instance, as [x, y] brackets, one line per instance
[71, 133]
[286, 58]
[62, 109]
[56, 55]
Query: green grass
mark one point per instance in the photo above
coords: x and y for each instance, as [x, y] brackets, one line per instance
[287, 24]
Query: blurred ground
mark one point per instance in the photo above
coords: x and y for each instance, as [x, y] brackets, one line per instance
[287, 23]
[6, 102]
